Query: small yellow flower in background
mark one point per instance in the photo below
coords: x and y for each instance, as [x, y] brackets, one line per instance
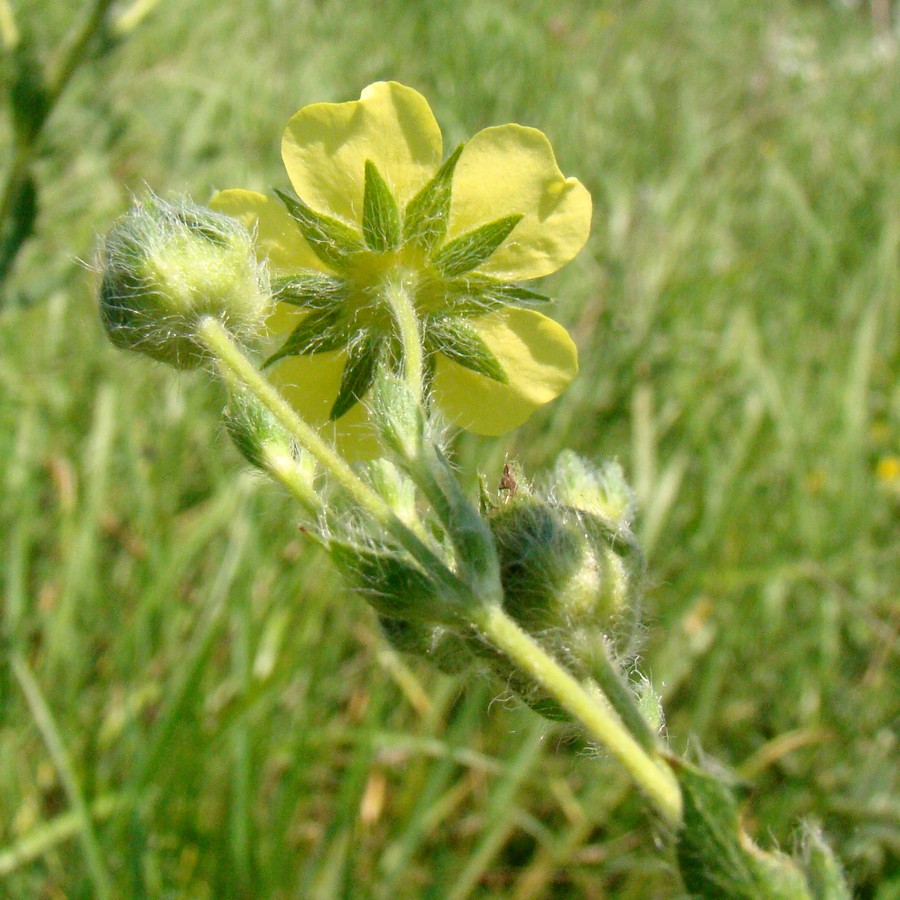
[377, 208]
[887, 471]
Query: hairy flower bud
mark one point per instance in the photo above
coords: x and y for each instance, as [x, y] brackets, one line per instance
[166, 266]
[568, 560]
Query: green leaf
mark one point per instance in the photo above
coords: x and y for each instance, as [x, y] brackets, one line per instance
[319, 332]
[715, 856]
[381, 218]
[28, 96]
[427, 215]
[462, 344]
[710, 857]
[823, 870]
[333, 241]
[359, 373]
[19, 223]
[311, 290]
[472, 248]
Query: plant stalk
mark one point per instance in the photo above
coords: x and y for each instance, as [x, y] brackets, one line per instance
[239, 372]
[406, 319]
[651, 775]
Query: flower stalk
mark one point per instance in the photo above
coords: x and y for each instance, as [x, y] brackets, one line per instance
[400, 302]
[592, 709]
[240, 373]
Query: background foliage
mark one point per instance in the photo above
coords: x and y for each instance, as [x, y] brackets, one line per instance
[189, 672]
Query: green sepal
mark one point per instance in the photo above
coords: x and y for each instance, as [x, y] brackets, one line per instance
[333, 241]
[471, 249]
[472, 295]
[310, 290]
[427, 215]
[461, 344]
[381, 217]
[319, 332]
[494, 292]
[359, 373]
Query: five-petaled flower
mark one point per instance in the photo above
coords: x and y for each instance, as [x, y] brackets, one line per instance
[376, 209]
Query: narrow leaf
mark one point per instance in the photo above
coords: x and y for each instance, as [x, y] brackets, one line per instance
[319, 332]
[19, 224]
[462, 344]
[716, 857]
[28, 95]
[428, 213]
[310, 290]
[359, 373]
[474, 247]
[332, 241]
[710, 856]
[381, 218]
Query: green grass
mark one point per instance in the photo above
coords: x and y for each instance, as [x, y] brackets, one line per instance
[175, 660]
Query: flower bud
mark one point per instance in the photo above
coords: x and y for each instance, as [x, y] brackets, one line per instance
[568, 569]
[166, 266]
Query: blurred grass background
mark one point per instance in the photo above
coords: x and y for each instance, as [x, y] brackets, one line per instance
[189, 708]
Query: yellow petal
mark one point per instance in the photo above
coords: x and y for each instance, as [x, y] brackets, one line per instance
[539, 358]
[511, 169]
[311, 384]
[326, 145]
[278, 237]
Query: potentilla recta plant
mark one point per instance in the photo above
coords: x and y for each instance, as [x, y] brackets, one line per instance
[383, 298]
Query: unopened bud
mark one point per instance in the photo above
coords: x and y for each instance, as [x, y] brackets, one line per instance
[165, 267]
[568, 560]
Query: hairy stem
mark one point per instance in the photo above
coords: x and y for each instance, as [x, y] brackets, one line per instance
[407, 320]
[240, 372]
[651, 774]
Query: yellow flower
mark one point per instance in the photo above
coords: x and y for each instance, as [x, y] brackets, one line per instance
[375, 206]
[887, 471]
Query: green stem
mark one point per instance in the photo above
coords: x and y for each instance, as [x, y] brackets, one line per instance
[407, 320]
[652, 775]
[595, 657]
[239, 372]
[75, 53]
[68, 64]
